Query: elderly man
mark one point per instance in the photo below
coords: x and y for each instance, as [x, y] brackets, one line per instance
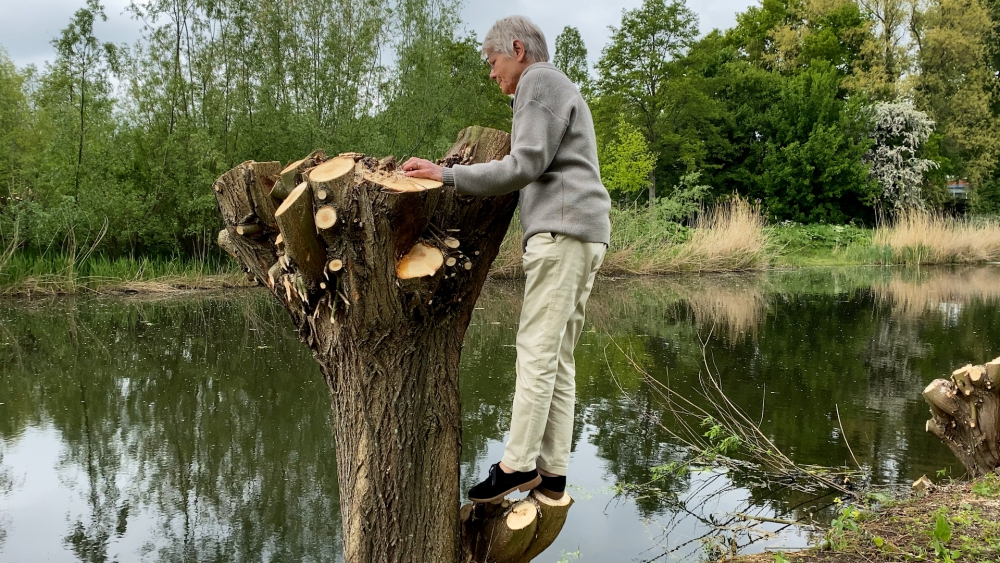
[564, 212]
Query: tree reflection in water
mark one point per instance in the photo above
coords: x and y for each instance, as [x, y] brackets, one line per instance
[199, 429]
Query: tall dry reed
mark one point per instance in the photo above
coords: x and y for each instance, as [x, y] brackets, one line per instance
[729, 237]
[921, 237]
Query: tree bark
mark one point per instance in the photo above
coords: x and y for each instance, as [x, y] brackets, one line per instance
[965, 415]
[388, 347]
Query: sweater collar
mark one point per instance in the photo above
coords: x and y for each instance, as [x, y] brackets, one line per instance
[533, 66]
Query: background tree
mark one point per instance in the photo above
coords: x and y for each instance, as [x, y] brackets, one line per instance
[571, 58]
[626, 163]
[955, 86]
[637, 65]
[899, 131]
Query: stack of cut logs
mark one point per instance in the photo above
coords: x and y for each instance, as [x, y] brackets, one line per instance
[297, 207]
[965, 415]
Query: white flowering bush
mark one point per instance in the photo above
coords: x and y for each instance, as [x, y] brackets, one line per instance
[898, 131]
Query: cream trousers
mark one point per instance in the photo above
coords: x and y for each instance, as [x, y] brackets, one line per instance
[560, 273]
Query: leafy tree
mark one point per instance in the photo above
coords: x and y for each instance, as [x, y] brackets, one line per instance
[571, 58]
[83, 61]
[955, 85]
[812, 169]
[638, 63]
[626, 162]
[899, 131]
[885, 53]
[15, 128]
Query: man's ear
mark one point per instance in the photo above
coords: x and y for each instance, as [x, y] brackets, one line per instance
[519, 53]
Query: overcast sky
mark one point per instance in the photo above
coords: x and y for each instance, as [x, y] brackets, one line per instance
[30, 25]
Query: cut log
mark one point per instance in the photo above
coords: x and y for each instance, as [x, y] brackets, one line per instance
[326, 217]
[422, 260]
[264, 176]
[225, 242]
[295, 219]
[452, 243]
[292, 175]
[965, 415]
[248, 230]
[513, 531]
[396, 407]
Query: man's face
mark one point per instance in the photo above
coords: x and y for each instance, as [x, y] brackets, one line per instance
[506, 70]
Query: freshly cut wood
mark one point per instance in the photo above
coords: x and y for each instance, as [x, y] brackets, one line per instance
[452, 242]
[513, 531]
[552, 518]
[467, 265]
[509, 536]
[248, 230]
[292, 175]
[326, 217]
[295, 219]
[279, 242]
[335, 265]
[421, 261]
[993, 372]
[450, 261]
[398, 182]
[332, 169]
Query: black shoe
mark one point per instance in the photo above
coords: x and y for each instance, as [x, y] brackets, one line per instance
[500, 484]
[553, 487]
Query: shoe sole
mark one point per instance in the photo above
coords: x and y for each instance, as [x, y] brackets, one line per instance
[551, 494]
[526, 486]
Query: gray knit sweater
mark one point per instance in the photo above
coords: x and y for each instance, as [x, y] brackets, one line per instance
[552, 160]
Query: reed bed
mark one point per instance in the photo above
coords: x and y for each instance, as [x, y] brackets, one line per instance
[921, 237]
[729, 237]
[914, 293]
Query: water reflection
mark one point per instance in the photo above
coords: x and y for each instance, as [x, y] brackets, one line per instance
[199, 429]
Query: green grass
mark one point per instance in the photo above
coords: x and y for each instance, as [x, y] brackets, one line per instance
[26, 273]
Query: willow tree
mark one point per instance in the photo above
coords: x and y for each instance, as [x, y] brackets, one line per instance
[380, 273]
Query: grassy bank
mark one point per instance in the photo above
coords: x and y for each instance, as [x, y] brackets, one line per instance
[732, 236]
[956, 522]
[22, 273]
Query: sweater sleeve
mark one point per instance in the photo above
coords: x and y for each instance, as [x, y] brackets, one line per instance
[536, 139]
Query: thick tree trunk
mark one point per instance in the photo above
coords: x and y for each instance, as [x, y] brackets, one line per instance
[380, 273]
[965, 415]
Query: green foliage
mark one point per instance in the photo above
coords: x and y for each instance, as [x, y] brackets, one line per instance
[571, 58]
[684, 200]
[846, 521]
[626, 162]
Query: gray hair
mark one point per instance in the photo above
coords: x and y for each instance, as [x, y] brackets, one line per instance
[500, 39]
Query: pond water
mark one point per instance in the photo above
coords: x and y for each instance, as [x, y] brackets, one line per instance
[198, 428]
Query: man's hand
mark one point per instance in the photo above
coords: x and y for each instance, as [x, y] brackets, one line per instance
[420, 168]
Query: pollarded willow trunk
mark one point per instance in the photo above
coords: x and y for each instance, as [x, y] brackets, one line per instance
[965, 415]
[380, 273]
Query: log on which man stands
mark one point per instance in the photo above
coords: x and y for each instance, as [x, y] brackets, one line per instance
[356, 252]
